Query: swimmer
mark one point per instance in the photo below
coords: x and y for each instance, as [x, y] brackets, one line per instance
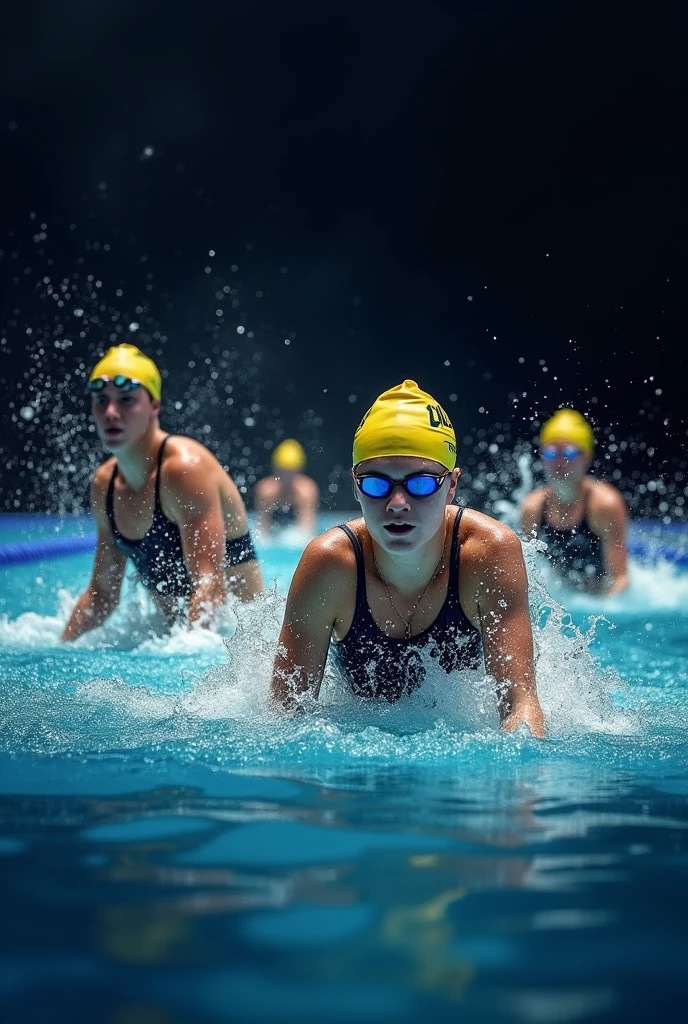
[288, 497]
[583, 521]
[415, 577]
[162, 500]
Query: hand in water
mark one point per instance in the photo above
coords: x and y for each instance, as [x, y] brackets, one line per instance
[526, 713]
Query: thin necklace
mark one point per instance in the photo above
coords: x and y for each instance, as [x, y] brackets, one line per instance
[407, 622]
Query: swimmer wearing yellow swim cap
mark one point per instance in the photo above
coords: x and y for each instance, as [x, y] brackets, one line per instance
[123, 363]
[582, 521]
[406, 421]
[161, 500]
[416, 585]
[288, 497]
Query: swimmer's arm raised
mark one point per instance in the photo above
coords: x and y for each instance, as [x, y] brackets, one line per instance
[507, 634]
[307, 628]
[102, 594]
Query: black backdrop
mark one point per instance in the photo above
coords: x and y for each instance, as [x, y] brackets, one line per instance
[486, 197]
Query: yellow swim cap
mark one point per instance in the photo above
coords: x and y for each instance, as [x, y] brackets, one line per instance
[568, 425]
[289, 455]
[406, 421]
[130, 361]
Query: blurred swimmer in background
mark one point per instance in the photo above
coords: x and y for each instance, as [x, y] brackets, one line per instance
[582, 521]
[288, 498]
[163, 501]
[416, 580]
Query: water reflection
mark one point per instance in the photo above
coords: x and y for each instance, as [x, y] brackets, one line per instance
[426, 890]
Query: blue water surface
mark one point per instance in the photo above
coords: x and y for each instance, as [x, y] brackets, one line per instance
[173, 851]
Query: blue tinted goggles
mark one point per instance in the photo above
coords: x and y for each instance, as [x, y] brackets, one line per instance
[418, 485]
[119, 380]
[567, 451]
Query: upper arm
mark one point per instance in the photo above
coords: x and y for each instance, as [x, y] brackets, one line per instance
[609, 521]
[503, 609]
[531, 512]
[109, 562]
[309, 619]
[308, 493]
[196, 504]
[263, 495]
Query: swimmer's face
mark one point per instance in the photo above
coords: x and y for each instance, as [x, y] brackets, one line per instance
[122, 417]
[400, 522]
[565, 464]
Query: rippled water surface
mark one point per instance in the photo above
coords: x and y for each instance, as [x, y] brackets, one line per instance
[173, 851]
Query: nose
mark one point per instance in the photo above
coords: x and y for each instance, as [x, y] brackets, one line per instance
[398, 500]
[111, 412]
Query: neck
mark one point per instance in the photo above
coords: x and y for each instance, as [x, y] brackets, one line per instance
[567, 492]
[410, 571]
[136, 461]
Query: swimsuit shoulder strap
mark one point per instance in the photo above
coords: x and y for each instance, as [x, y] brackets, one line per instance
[360, 568]
[157, 475]
[454, 556]
[110, 500]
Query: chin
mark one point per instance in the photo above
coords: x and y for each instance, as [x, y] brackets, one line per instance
[113, 443]
[400, 541]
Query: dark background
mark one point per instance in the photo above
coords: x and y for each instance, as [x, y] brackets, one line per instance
[487, 197]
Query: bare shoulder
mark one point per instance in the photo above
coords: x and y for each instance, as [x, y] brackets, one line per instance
[484, 539]
[606, 508]
[189, 469]
[267, 489]
[332, 551]
[183, 455]
[534, 501]
[325, 578]
[604, 497]
[306, 488]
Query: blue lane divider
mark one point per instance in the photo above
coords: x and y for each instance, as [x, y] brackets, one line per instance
[36, 550]
[651, 549]
[656, 552]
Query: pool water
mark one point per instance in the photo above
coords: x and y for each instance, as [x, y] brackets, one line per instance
[174, 851]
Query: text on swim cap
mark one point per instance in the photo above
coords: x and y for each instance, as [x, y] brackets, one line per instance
[438, 417]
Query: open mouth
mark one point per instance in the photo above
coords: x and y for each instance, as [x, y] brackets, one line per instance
[398, 529]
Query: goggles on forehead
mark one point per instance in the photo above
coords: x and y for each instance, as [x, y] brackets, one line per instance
[418, 485]
[566, 451]
[120, 381]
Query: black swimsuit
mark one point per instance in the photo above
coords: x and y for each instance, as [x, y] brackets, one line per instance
[576, 554]
[283, 515]
[378, 665]
[158, 555]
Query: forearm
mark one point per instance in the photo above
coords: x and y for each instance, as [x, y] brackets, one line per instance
[307, 520]
[298, 669]
[518, 704]
[511, 695]
[207, 595]
[290, 684]
[617, 583]
[90, 611]
[246, 580]
[264, 522]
